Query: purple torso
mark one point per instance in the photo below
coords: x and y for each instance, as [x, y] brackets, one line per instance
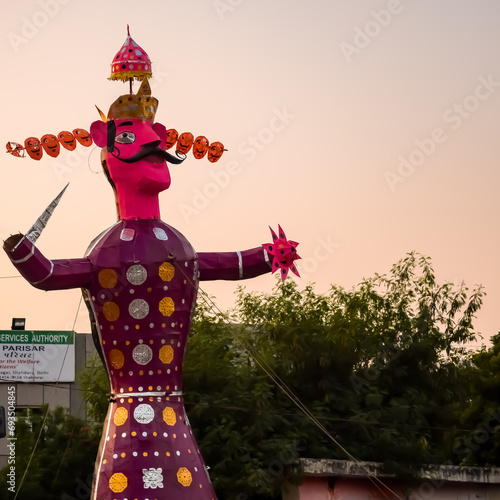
[142, 293]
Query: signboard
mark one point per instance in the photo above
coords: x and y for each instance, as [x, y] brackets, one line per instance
[42, 356]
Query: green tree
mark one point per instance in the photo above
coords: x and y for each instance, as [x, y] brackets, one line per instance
[60, 450]
[380, 367]
[481, 444]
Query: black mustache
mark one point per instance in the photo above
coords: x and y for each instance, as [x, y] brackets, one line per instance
[150, 149]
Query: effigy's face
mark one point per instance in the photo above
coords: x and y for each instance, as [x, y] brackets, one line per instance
[138, 157]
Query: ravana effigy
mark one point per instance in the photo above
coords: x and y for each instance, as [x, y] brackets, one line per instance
[140, 280]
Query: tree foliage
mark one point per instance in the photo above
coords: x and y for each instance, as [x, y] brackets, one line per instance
[381, 368]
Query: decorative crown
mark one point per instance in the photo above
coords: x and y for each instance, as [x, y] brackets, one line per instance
[131, 62]
[140, 105]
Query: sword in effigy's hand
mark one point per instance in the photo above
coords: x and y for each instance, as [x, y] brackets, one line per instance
[36, 229]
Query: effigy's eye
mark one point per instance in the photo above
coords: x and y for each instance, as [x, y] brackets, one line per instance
[125, 138]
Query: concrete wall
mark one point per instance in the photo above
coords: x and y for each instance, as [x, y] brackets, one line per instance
[324, 488]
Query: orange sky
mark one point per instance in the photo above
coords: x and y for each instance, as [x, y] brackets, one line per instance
[367, 129]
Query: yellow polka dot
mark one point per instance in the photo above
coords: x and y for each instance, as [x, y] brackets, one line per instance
[104, 462]
[167, 306]
[166, 271]
[145, 454]
[137, 327]
[184, 476]
[163, 325]
[155, 434]
[118, 482]
[166, 354]
[111, 311]
[116, 358]
[168, 453]
[169, 416]
[133, 433]
[121, 415]
[150, 388]
[107, 278]
[123, 455]
[130, 400]
[130, 389]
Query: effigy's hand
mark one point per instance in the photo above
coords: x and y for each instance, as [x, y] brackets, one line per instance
[284, 253]
[10, 243]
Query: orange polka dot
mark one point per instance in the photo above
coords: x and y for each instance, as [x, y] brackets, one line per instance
[163, 325]
[116, 358]
[108, 278]
[111, 311]
[127, 342]
[141, 372]
[168, 453]
[137, 327]
[130, 389]
[112, 327]
[104, 461]
[130, 400]
[151, 341]
[145, 454]
[123, 455]
[159, 372]
[150, 289]
[150, 388]
[133, 433]
[155, 434]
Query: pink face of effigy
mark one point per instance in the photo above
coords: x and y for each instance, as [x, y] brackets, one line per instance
[137, 161]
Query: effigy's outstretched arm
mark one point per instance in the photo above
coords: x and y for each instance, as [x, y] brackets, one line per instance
[280, 254]
[233, 265]
[43, 273]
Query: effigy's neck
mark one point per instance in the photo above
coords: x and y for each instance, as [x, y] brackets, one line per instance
[137, 205]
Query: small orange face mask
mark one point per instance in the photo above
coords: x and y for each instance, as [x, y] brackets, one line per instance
[33, 148]
[67, 140]
[172, 136]
[51, 145]
[215, 151]
[200, 147]
[185, 142]
[83, 137]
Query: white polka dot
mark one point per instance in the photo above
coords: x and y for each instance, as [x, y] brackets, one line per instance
[114, 342]
[185, 435]
[162, 341]
[165, 287]
[156, 453]
[178, 453]
[150, 372]
[103, 296]
[178, 344]
[196, 469]
[144, 414]
[168, 371]
[115, 456]
[158, 388]
[130, 373]
[108, 438]
[140, 400]
[144, 434]
[121, 400]
[183, 301]
[172, 325]
[140, 389]
[134, 453]
[131, 290]
[158, 399]
[141, 341]
[131, 66]
[164, 435]
[126, 327]
[124, 434]
[186, 264]
[175, 387]
[121, 390]
[151, 325]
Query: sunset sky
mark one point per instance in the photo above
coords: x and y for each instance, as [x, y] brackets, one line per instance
[366, 128]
